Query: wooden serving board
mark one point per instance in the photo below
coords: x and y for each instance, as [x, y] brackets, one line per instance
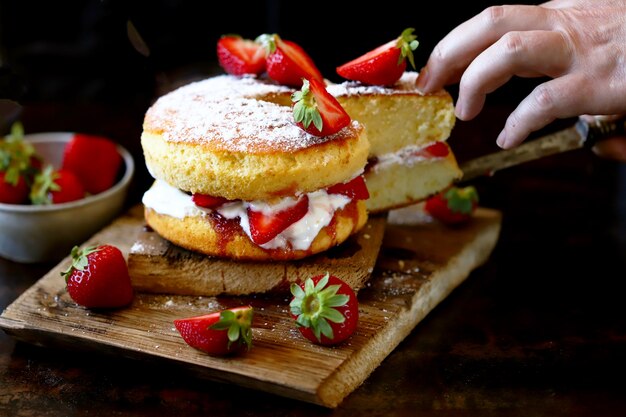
[418, 266]
[158, 266]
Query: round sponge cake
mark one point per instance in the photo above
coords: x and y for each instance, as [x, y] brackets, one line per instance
[235, 138]
[230, 142]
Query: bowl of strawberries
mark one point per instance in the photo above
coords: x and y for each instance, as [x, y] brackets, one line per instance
[56, 190]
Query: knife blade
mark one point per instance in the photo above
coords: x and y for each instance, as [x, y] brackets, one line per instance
[581, 134]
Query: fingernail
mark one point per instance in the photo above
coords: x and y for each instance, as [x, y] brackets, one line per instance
[501, 141]
[422, 80]
[459, 109]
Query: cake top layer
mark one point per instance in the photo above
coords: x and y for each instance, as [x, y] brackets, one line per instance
[231, 113]
[405, 85]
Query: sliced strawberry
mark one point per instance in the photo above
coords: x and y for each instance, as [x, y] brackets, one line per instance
[383, 65]
[218, 333]
[13, 192]
[454, 205]
[317, 111]
[208, 201]
[265, 227]
[286, 62]
[436, 150]
[94, 159]
[240, 56]
[54, 187]
[354, 189]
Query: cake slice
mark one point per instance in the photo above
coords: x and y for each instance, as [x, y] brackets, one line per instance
[409, 158]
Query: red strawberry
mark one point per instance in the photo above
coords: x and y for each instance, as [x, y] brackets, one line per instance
[94, 159]
[436, 150]
[208, 201]
[317, 111]
[240, 56]
[286, 62]
[383, 65]
[18, 165]
[13, 192]
[355, 189]
[218, 333]
[454, 205]
[325, 308]
[98, 277]
[265, 227]
[55, 187]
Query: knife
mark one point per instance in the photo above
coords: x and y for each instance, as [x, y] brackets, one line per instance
[582, 134]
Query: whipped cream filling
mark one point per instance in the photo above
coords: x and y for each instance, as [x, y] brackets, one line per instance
[170, 201]
[408, 156]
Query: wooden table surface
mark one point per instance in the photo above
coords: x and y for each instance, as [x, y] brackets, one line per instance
[539, 330]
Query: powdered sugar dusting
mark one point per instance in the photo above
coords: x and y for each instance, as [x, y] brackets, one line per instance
[227, 113]
[405, 85]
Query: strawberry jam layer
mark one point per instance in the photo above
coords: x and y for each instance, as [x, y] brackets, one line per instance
[298, 235]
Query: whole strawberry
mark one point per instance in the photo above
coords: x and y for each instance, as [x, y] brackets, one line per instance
[55, 187]
[383, 65]
[454, 205]
[325, 309]
[218, 333]
[18, 165]
[94, 160]
[98, 277]
[287, 62]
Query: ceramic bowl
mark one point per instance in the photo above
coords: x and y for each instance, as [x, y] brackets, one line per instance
[43, 233]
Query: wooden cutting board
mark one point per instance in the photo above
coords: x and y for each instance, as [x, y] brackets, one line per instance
[418, 266]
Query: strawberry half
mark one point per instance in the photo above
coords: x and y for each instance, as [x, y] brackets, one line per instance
[383, 65]
[240, 56]
[354, 189]
[208, 201]
[55, 187]
[98, 277]
[286, 62]
[218, 333]
[436, 150]
[94, 159]
[265, 227]
[454, 205]
[317, 111]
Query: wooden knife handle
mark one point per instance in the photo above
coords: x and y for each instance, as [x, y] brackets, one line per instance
[601, 128]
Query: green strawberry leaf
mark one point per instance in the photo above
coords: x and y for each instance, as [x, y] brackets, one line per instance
[461, 200]
[407, 42]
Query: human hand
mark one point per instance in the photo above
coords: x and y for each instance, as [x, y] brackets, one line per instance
[580, 45]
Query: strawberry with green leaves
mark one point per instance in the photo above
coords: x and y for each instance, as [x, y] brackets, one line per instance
[287, 62]
[94, 160]
[316, 111]
[18, 164]
[325, 309]
[219, 333]
[453, 205]
[238, 56]
[53, 186]
[383, 65]
[98, 277]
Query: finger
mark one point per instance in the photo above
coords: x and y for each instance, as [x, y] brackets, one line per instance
[524, 54]
[464, 43]
[558, 98]
[613, 148]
